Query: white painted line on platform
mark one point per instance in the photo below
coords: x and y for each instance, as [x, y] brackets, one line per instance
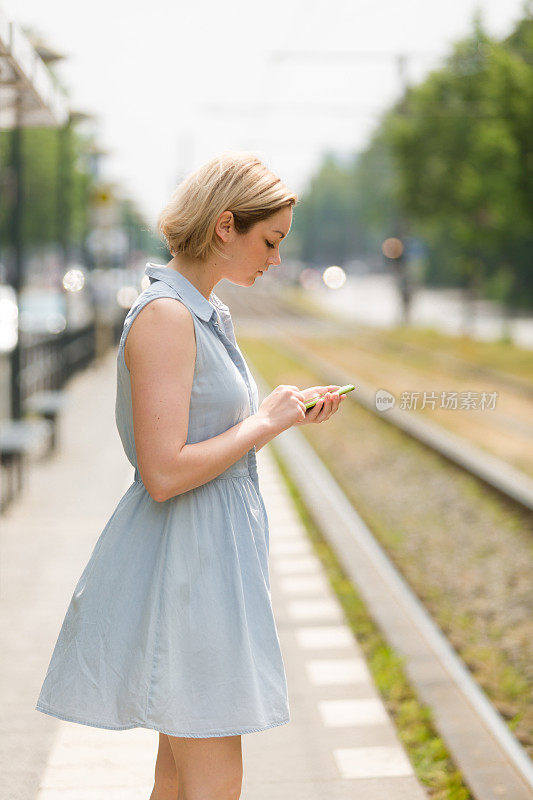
[295, 545]
[322, 672]
[315, 610]
[329, 636]
[342, 713]
[304, 584]
[372, 762]
[305, 564]
[285, 531]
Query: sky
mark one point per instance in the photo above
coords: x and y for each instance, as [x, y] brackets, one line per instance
[172, 83]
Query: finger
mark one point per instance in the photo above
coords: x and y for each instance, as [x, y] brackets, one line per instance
[312, 413]
[294, 388]
[334, 397]
[323, 389]
[298, 393]
[316, 410]
[315, 414]
[326, 407]
[334, 402]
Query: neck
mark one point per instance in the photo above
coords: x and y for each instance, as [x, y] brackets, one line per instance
[203, 276]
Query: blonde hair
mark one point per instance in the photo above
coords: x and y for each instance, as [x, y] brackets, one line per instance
[233, 181]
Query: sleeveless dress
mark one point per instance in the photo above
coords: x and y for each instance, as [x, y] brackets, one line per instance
[170, 626]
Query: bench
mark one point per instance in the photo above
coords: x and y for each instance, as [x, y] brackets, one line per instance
[19, 439]
[47, 404]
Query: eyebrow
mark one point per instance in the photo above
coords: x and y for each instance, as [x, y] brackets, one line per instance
[281, 232]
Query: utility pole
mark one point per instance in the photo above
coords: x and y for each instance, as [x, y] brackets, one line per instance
[16, 170]
[399, 264]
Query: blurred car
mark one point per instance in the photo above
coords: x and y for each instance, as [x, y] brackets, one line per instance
[42, 311]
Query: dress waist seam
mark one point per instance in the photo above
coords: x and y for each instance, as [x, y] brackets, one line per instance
[217, 478]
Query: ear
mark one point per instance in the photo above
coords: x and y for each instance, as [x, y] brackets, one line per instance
[225, 225]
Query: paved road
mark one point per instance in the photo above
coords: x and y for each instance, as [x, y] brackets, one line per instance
[340, 742]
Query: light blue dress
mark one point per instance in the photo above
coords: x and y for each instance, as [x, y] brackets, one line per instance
[170, 626]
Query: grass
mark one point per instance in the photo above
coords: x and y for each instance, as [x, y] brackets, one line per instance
[502, 354]
[412, 359]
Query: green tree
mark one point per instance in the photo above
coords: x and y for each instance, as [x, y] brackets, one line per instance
[462, 152]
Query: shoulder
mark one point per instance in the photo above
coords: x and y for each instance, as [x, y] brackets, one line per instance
[164, 305]
[160, 308]
[162, 322]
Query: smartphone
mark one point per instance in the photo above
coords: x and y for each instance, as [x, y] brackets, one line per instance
[343, 389]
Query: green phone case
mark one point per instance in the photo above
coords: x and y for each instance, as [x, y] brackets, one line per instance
[343, 389]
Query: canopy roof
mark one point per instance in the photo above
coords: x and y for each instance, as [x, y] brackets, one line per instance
[26, 81]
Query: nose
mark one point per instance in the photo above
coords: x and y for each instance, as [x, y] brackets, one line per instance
[276, 262]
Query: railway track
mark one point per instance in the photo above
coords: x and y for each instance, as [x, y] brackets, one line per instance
[492, 760]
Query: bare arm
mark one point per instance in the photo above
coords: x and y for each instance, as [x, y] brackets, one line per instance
[160, 352]
[203, 461]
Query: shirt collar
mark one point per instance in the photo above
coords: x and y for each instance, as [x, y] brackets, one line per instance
[202, 308]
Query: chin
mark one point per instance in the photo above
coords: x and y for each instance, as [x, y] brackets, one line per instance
[243, 281]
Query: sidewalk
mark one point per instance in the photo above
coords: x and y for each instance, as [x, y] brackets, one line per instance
[340, 742]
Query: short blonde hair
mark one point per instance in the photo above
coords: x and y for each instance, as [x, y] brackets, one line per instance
[233, 181]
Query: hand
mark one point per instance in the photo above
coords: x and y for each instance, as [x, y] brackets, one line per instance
[283, 407]
[323, 409]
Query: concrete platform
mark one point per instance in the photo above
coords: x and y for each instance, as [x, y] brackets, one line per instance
[340, 742]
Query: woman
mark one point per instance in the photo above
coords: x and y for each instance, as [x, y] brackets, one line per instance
[170, 626]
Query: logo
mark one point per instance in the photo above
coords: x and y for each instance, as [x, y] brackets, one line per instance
[384, 400]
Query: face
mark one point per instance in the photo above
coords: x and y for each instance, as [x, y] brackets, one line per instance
[256, 251]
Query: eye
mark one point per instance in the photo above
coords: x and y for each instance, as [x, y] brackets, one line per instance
[269, 244]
